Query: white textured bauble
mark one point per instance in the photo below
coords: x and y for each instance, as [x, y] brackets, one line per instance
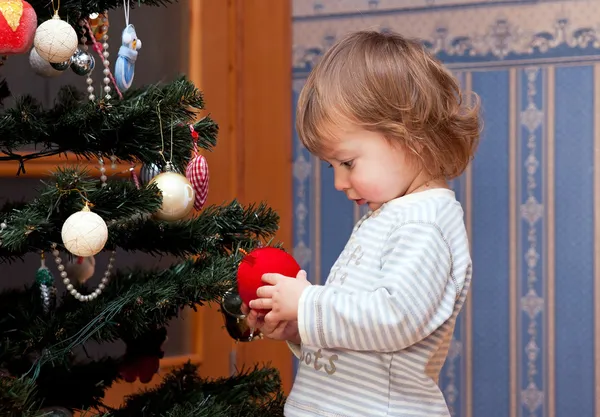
[178, 196]
[40, 66]
[84, 233]
[55, 40]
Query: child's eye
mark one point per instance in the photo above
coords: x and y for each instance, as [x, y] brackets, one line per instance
[347, 164]
[329, 166]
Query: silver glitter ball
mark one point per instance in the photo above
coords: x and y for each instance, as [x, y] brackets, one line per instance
[61, 66]
[149, 171]
[82, 63]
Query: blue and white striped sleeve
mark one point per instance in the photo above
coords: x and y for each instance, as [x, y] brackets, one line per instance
[415, 295]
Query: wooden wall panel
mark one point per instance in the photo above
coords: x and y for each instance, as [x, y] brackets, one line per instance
[266, 108]
[209, 70]
[240, 58]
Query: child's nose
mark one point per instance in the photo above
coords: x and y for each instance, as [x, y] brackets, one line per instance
[340, 182]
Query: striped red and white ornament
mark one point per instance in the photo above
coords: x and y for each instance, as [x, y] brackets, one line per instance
[197, 174]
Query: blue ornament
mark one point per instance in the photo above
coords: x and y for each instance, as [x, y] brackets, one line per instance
[128, 52]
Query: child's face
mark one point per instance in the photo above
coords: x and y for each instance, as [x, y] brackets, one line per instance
[370, 169]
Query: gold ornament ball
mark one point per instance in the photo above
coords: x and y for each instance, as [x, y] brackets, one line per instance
[55, 40]
[178, 196]
[84, 233]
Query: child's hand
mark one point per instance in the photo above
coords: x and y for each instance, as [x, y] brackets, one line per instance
[278, 330]
[281, 297]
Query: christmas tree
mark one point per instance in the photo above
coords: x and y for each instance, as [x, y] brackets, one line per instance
[79, 213]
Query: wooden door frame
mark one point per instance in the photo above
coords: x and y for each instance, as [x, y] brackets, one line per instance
[240, 57]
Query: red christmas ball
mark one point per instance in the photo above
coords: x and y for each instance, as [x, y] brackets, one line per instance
[261, 261]
[18, 23]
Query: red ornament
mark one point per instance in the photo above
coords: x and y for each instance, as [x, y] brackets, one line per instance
[18, 23]
[143, 355]
[263, 261]
[143, 368]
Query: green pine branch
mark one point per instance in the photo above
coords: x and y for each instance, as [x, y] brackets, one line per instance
[130, 128]
[77, 386]
[215, 229]
[132, 301]
[183, 393]
[34, 226]
[17, 396]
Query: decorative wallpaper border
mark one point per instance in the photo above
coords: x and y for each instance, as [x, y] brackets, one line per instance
[472, 37]
[324, 9]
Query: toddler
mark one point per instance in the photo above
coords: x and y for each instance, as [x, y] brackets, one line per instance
[390, 121]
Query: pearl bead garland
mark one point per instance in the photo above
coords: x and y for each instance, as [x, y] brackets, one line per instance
[106, 63]
[101, 49]
[113, 166]
[103, 177]
[89, 81]
[67, 281]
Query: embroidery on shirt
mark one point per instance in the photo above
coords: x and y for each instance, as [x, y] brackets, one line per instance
[357, 254]
[352, 254]
[327, 363]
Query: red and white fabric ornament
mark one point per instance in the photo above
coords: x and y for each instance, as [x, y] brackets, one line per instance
[197, 174]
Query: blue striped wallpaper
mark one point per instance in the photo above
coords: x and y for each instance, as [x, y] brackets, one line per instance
[528, 341]
[489, 241]
[574, 248]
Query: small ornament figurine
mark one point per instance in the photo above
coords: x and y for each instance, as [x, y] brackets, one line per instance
[128, 52]
[143, 355]
[98, 26]
[177, 194]
[235, 320]
[42, 67]
[18, 23]
[55, 40]
[261, 261]
[45, 280]
[81, 268]
[82, 62]
[84, 233]
[197, 174]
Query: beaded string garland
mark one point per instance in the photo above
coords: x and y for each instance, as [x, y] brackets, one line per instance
[71, 289]
[102, 51]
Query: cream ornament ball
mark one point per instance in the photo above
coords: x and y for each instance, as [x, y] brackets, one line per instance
[55, 40]
[177, 193]
[84, 233]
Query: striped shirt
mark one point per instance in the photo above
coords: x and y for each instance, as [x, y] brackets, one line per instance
[375, 336]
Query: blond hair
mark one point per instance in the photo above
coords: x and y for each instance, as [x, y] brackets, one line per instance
[385, 83]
